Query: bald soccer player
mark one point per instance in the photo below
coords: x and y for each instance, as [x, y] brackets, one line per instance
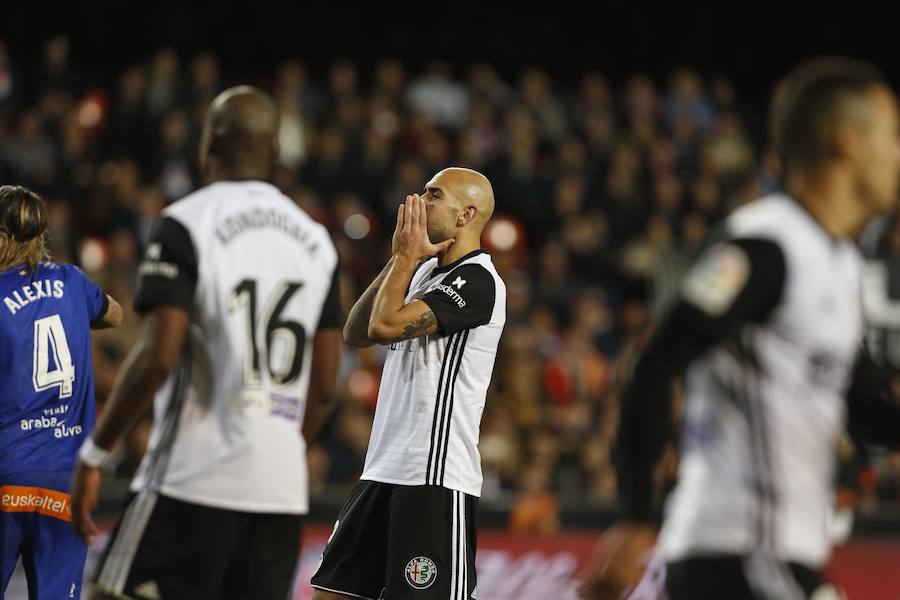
[408, 529]
[241, 339]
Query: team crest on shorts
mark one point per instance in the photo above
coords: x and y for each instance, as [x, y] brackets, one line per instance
[421, 572]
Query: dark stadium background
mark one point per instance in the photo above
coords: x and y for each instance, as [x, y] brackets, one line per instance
[542, 503]
[752, 42]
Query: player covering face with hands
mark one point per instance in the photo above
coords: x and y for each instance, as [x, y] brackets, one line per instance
[439, 307]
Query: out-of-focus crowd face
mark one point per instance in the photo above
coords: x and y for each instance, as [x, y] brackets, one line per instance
[605, 191]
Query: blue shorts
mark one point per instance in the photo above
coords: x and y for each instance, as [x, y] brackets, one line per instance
[35, 523]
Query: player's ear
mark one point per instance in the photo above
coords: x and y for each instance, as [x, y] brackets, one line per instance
[467, 217]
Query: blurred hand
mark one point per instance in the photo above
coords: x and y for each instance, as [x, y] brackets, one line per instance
[85, 490]
[618, 561]
[411, 234]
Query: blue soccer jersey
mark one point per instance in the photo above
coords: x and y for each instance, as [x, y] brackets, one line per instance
[46, 410]
[47, 396]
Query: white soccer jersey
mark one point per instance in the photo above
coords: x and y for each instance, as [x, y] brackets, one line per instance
[257, 276]
[763, 414]
[433, 387]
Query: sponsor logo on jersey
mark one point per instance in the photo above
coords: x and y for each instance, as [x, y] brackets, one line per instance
[448, 289]
[287, 407]
[60, 429]
[20, 498]
[459, 282]
[421, 572]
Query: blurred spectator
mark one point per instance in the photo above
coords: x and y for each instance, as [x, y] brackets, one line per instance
[440, 97]
[8, 80]
[544, 105]
[29, 157]
[174, 163]
[55, 71]
[686, 99]
[535, 511]
[162, 87]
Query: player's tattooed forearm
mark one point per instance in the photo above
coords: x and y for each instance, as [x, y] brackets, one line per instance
[358, 320]
[418, 327]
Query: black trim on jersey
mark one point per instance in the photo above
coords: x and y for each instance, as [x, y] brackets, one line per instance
[687, 332]
[168, 273]
[459, 562]
[331, 317]
[445, 421]
[448, 267]
[440, 433]
[437, 407]
[464, 299]
[98, 320]
[462, 349]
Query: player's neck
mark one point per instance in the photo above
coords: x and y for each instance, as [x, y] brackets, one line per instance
[455, 252]
[831, 199]
[216, 172]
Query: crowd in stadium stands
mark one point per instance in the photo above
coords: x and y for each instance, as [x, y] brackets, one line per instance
[604, 194]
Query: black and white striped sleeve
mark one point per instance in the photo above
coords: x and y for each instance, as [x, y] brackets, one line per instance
[463, 299]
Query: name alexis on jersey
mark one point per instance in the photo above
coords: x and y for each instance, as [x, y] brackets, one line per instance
[36, 290]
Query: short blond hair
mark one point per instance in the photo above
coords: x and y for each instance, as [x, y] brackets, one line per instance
[23, 221]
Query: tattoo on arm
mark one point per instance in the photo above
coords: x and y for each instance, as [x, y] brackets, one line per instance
[357, 325]
[356, 329]
[416, 328]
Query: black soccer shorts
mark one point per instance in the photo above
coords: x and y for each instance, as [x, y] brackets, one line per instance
[402, 542]
[166, 549]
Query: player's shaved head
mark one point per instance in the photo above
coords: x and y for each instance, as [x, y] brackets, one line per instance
[241, 132]
[472, 188]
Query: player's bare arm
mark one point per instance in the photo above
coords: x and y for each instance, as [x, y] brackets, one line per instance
[326, 361]
[392, 320]
[154, 356]
[113, 316]
[356, 329]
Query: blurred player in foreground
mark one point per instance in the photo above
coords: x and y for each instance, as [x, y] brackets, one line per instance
[768, 331]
